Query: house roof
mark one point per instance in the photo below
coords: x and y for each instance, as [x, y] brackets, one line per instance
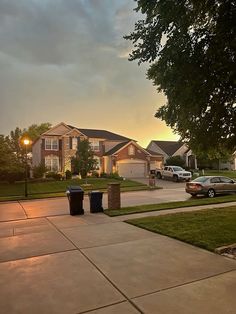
[92, 133]
[116, 148]
[119, 146]
[153, 153]
[169, 147]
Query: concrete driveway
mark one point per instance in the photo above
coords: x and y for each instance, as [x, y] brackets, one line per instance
[94, 264]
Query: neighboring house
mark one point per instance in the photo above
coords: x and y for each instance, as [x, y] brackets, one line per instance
[114, 153]
[228, 165]
[173, 148]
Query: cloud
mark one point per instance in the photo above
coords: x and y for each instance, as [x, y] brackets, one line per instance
[67, 60]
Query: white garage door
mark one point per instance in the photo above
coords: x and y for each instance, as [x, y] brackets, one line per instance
[132, 170]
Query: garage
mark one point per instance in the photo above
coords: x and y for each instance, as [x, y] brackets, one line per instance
[132, 170]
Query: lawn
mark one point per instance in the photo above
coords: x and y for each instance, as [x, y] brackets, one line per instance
[208, 229]
[170, 205]
[57, 188]
[225, 173]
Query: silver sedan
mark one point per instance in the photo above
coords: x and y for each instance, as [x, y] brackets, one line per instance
[210, 186]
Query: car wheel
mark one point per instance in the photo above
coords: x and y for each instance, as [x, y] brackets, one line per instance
[159, 175]
[175, 178]
[193, 194]
[211, 193]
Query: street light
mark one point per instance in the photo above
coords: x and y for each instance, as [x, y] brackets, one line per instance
[26, 143]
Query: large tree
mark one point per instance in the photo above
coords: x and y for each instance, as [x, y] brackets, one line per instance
[32, 133]
[191, 45]
[12, 168]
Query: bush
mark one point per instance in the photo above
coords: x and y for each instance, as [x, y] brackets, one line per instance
[68, 175]
[39, 171]
[175, 161]
[56, 176]
[113, 175]
[95, 174]
[104, 175]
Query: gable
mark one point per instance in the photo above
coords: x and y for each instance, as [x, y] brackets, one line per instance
[59, 129]
[169, 147]
[75, 132]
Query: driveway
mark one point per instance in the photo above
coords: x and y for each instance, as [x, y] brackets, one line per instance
[95, 264]
[165, 184]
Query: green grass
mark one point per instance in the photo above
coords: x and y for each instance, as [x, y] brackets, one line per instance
[225, 173]
[170, 205]
[58, 188]
[208, 229]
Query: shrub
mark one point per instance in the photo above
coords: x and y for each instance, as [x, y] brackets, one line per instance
[95, 174]
[39, 171]
[56, 176]
[104, 175]
[68, 175]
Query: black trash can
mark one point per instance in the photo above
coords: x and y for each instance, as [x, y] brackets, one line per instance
[95, 198]
[75, 197]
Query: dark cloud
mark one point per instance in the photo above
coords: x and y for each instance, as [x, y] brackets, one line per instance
[66, 60]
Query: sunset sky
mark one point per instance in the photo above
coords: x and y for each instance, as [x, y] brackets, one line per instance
[66, 60]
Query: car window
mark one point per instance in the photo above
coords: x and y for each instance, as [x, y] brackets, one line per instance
[200, 179]
[215, 180]
[225, 180]
[178, 169]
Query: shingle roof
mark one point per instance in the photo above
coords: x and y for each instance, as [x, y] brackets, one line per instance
[153, 153]
[116, 148]
[169, 147]
[92, 133]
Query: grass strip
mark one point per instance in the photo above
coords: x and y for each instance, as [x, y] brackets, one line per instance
[41, 195]
[208, 229]
[169, 205]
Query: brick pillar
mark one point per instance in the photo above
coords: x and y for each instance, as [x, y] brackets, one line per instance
[113, 196]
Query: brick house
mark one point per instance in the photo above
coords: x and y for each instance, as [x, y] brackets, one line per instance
[114, 152]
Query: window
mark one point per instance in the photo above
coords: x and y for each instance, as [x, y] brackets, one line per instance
[52, 163]
[51, 144]
[94, 145]
[215, 180]
[226, 180]
[131, 150]
[67, 142]
[74, 143]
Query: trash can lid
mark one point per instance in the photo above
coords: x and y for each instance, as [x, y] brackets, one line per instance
[94, 192]
[74, 188]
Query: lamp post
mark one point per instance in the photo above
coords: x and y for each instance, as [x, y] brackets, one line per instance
[26, 143]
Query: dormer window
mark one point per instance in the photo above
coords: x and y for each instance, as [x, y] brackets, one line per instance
[131, 150]
[51, 144]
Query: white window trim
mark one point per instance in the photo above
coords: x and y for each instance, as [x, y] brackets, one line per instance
[94, 144]
[51, 143]
[51, 159]
[74, 143]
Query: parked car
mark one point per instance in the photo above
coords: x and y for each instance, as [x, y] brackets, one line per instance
[210, 186]
[174, 173]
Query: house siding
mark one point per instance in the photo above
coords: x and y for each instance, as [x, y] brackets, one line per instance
[36, 152]
[124, 154]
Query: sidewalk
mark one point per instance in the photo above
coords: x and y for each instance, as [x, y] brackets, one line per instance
[56, 263]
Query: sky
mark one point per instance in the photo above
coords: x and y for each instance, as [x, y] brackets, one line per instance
[67, 61]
